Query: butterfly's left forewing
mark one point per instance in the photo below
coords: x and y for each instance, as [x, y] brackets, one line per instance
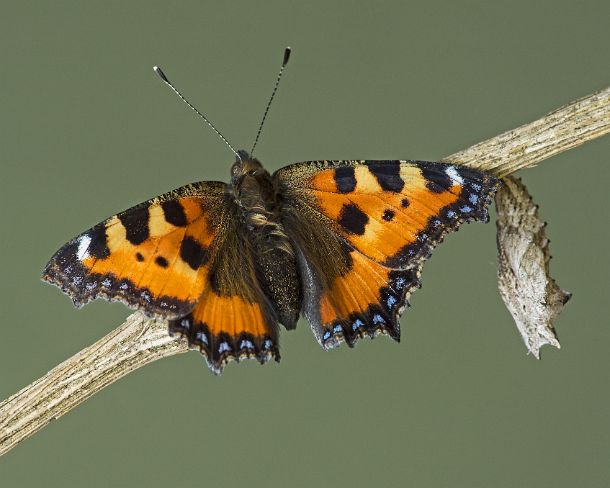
[363, 230]
[154, 256]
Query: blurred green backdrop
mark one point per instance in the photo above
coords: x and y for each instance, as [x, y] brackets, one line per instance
[87, 130]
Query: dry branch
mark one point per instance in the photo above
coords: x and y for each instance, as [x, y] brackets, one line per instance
[140, 341]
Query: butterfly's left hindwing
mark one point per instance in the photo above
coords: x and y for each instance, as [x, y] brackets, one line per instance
[363, 230]
[154, 256]
[233, 319]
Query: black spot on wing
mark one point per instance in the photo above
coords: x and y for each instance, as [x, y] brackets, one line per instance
[387, 174]
[161, 261]
[352, 219]
[193, 253]
[471, 205]
[388, 215]
[405, 202]
[174, 213]
[437, 180]
[98, 247]
[345, 179]
[139, 257]
[135, 222]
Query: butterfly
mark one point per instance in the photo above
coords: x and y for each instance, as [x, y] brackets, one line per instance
[341, 243]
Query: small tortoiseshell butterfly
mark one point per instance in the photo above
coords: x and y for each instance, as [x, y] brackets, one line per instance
[340, 242]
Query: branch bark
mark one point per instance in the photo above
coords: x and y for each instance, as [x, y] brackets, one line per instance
[524, 147]
[140, 341]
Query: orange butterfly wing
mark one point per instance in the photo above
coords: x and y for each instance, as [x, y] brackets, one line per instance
[234, 319]
[154, 256]
[379, 221]
[180, 256]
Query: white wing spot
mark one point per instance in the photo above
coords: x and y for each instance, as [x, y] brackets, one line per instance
[378, 319]
[83, 247]
[454, 175]
[202, 337]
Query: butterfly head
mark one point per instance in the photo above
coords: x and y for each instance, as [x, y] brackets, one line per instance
[244, 167]
[248, 174]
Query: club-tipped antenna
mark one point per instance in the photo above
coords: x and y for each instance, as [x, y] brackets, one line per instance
[277, 82]
[161, 74]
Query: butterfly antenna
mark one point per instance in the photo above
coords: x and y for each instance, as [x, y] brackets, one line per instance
[161, 74]
[277, 82]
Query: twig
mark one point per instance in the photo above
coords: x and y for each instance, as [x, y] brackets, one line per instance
[524, 147]
[140, 341]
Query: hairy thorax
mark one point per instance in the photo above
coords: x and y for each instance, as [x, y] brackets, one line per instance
[257, 204]
[256, 198]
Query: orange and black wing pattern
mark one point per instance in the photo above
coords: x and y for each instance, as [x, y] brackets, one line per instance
[233, 319]
[378, 221]
[154, 257]
[182, 257]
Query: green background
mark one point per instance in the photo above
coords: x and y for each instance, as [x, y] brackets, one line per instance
[87, 129]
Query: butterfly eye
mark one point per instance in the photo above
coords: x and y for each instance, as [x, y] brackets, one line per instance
[235, 170]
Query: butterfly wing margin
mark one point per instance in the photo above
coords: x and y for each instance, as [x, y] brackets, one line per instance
[154, 256]
[364, 229]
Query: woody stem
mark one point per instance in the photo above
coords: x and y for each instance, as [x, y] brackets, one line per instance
[567, 127]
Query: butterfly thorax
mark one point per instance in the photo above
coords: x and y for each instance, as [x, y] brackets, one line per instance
[257, 204]
[256, 197]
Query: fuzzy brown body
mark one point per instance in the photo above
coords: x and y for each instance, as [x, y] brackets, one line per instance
[258, 209]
